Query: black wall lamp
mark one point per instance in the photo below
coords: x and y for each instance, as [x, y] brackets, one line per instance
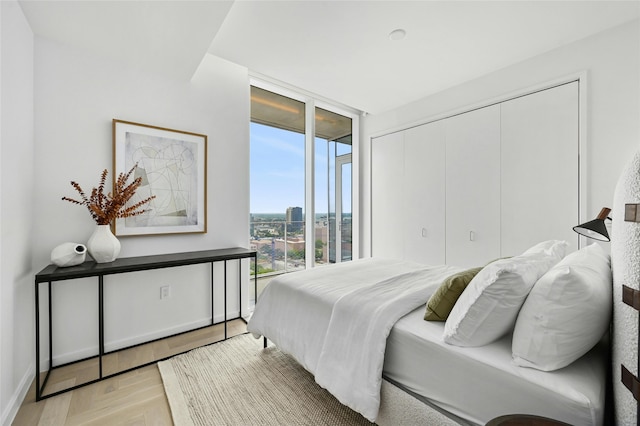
[596, 228]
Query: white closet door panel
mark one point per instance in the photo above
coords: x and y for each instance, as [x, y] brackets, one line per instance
[540, 168]
[424, 211]
[387, 188]
[473, 187]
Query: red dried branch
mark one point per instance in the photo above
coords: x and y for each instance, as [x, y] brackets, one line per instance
[106, 208]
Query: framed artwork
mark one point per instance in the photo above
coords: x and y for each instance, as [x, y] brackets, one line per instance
[173, 167]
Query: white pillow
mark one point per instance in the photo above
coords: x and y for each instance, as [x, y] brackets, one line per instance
[567, 312]
[555, 248]
[488, 307]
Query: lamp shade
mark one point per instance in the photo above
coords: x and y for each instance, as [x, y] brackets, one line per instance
[595, 228]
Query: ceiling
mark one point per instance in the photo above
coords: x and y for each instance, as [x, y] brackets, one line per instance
[275, 110]
[338, 50]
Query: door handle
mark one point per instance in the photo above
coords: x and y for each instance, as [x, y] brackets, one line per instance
[472, 236]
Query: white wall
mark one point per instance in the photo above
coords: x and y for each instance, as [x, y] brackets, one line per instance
[612, 62]
[59, 129]
[16, 208]
[77, 95]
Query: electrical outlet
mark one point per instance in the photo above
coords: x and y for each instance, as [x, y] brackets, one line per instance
[165, 292]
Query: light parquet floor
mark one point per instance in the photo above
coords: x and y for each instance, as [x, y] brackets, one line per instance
[133, 398]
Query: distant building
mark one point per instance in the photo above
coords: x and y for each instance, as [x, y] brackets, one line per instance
[322, 236]
[279, 244]
[294, 218]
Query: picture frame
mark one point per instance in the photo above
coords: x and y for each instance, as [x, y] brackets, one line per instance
[173, 167]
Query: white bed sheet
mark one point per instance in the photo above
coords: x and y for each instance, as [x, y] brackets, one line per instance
[335, 320]
[478, 384]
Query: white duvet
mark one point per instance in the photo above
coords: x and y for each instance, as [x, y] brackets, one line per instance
[334, 320]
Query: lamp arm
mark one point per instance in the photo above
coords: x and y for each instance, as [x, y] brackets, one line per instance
[604, 213]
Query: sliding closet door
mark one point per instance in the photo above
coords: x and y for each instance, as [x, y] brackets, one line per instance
[387, 202]
[540, 168]
[473, 187]
[424, 194]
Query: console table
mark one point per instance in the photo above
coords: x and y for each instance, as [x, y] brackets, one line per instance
[52, 273]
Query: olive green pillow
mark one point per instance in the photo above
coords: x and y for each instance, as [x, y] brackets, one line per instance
[441, 302]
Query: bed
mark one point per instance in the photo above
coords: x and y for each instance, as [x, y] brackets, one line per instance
[359, 327]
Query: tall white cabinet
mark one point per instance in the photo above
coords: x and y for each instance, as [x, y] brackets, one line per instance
[425, 205]
[479, 185]
[407, 184]
[473, 187]
[387, 186]
[539, 165]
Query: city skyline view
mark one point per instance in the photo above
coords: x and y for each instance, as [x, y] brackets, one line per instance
[277, 200]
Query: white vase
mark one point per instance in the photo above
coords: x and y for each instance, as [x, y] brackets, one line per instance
[68, 254]
[103, 245]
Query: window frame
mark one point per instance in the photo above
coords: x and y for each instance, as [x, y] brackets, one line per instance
[311, 103]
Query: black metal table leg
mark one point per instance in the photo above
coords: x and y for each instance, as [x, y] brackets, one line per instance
[38, 391]
[225, 300]
[100, 321]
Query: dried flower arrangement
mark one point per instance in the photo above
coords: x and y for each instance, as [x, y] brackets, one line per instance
[106, 208]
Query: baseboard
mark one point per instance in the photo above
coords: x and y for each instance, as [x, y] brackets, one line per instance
[134, 340]
[158, 334]
[18, 396]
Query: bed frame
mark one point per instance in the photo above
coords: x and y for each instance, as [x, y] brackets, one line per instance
[397, 407]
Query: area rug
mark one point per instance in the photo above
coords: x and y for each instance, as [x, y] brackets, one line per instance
[237, 382]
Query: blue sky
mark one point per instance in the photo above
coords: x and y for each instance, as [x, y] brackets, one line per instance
[277, 170]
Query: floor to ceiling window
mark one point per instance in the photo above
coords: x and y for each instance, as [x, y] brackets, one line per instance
[301, 183]
[333, 186]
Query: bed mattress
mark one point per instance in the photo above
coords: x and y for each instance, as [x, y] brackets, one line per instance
[477, 384]
[335, 320]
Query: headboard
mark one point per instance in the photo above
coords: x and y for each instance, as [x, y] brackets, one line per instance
[625, 263]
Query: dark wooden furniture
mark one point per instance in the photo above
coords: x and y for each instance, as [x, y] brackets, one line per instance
[52, 273]
[524, 420]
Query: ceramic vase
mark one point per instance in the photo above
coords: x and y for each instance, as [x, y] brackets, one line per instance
[103, 245]
[68, 254]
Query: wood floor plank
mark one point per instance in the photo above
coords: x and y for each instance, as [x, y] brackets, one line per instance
[82, 401]
[30, 412]
[56, 409]
[120, 407]
[159, 413]
[81, 372]
[135, 398]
